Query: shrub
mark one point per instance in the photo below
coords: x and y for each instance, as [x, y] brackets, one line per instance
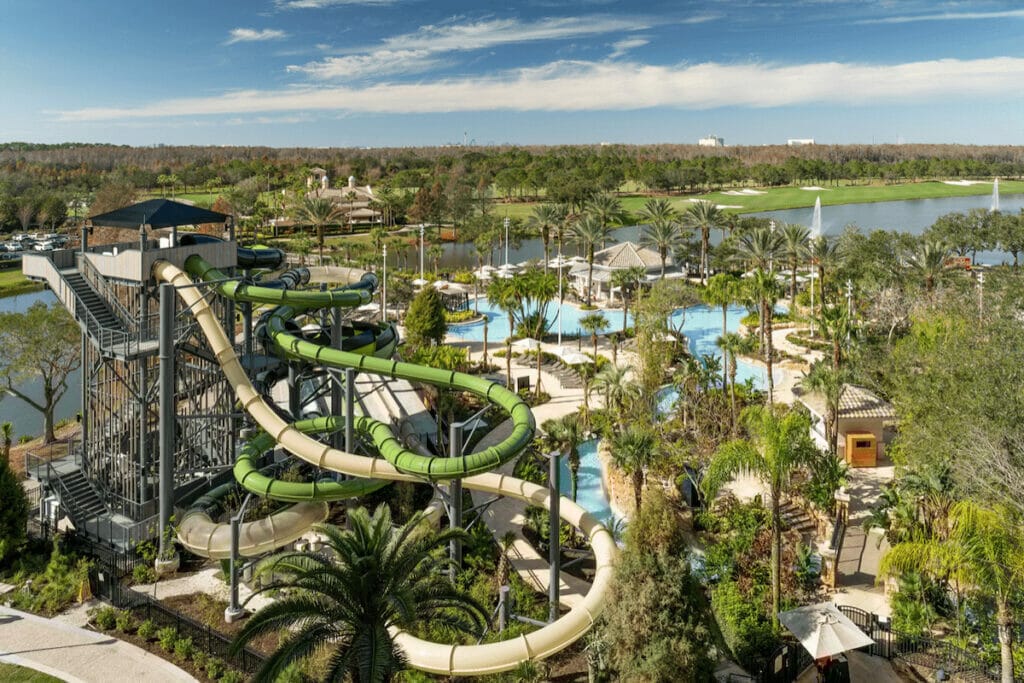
[147, 629]
[13, 513]
[425, 323]
[744, 626]
[57, 587]
[214, 668]
[106, 618]
[463, 277]
[125, 621]
[200, 658]
[167, 637]
[143, 573]
[460, 316]
[232, 676]
[183, 648]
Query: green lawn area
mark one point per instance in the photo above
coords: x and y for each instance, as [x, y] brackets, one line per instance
[19, 674]
[13, 282]
[795, 198]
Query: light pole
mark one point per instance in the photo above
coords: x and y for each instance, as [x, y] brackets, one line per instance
[507, 221]
[812, 299]
[559, 271]
[771, 255]
[384, 289]
[554, 540]
[981, 295]
[849, 309]
[423, 232]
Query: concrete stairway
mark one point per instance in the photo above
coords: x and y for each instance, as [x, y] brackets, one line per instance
[795, 518]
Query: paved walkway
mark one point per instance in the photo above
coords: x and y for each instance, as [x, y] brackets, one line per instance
[77, 655]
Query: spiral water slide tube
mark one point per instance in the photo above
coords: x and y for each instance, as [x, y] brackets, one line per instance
[398, 464]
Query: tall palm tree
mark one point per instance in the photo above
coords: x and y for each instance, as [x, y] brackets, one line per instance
[984, 552]
[318, 212]
[376, 579]
[829, 381]
[658, 210]
[544, 218]
[593, 323]
[502, 293]
[628, 281]
[764, 287]
[836, 326]
[587, 233]
[722, 290]
[824, 257]
[796, 250]
[664, 236]
[779, 443]
[704, 216]
[633, 451]
[564, 435]
[760, 248]
[607, 208]
[732, 345]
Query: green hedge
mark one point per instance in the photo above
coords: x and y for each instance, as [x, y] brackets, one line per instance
[746, 630]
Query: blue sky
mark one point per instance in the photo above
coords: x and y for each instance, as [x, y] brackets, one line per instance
[429, 72]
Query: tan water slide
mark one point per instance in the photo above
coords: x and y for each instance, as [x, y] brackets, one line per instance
[439, 658]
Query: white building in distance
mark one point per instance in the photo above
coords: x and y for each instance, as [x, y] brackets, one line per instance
[711, 141]
[799, 142]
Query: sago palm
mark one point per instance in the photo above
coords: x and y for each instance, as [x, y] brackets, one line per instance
[375, 580]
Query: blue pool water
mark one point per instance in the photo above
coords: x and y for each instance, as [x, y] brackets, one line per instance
[590, 488]
[701, 324]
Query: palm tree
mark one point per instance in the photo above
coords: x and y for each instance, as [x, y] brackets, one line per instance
[929, 263]
[434, 253]
[984, 552]
[831, 383]
[824, 256]
[759, 248]
[544, 218]
[658, 210]
[722, 290]
[764, 287]
[564, 435]
[501, 574]
[608, 209]
[836, 326]
[593, 323]
[795, 249]
[704, 216]
[633, 451]
[628, 281]
[318, 212]
[779, 443]
[732, 345]
[613, 381]
[377, 579]
[587, 233]
[664, 236]
[502, 293]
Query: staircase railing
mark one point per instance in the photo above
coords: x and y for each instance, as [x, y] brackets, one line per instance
[106, 292]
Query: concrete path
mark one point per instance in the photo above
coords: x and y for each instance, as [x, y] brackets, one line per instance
[77, 655]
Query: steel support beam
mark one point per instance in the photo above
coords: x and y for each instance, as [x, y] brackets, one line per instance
[455, 499]
[166, 414]
[555, 552]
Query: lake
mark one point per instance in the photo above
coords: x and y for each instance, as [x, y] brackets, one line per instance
[27, 420]
[912, 215]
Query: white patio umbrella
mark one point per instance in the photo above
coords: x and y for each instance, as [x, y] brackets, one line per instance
[526, 343]
[419, 282]
[823, 630]
[482, 274]
[441, 284]
[576, 358]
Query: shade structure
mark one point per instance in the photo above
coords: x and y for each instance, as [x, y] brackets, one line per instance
[441, 284]
[158, 213]
[526, 343]
[823, 630]
[482, 274]
[576, 358]
[419, 282]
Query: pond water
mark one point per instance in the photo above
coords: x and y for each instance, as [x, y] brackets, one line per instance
[28, 420]
[912, 216]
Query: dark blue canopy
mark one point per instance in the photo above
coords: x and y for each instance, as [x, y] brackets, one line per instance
[158, 213]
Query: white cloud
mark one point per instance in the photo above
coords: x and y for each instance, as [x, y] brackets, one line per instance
[410, 52]
[621, 47]
[602, 86]
[320, 4]
[378, 63]
[251, 35]
[947, 16]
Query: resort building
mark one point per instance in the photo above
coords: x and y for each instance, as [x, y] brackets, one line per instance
[799, 142]
[862, 421]
[355, 201]
[617, 257]
[711, 141]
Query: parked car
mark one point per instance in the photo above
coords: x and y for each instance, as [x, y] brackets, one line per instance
[13, 246]
[45, 245]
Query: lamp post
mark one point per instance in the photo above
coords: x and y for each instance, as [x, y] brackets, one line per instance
[981, 295]
[849, 309]
[507, 222]
[554, 540]
[771, 256]
[384, 288]
[423, 232]
[559, 271]
[812, 299]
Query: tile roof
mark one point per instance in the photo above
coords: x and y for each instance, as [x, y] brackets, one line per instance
[627, 255]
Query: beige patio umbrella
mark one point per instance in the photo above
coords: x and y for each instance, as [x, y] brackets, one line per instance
[823, 630]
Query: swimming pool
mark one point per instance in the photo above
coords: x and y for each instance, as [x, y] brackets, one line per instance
[590, 493]
[702, 326]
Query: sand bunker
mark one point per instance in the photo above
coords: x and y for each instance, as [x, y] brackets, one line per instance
[814, 188]
[965, 183]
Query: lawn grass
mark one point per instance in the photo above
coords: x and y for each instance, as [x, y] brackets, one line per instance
[795, 198]
[12, 283]
[19, 674]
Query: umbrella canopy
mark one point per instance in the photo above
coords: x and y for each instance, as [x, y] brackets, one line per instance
[419, 282]
[823, 630]
[526, 343]
[441, 284]
[576, 358]
[158, 213]
[482, 274]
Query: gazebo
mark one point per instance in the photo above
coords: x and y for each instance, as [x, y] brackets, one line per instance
[620, 256]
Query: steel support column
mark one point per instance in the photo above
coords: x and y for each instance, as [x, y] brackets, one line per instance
[555, 552]
[455, 499]
[294, 406]
[166, 413]
[336, 385]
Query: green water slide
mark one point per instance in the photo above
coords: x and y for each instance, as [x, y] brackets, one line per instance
[290, 303]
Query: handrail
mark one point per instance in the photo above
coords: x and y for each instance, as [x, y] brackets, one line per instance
[93, 277]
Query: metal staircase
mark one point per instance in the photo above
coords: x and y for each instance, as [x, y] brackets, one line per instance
[79, 498]
[91, 310]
